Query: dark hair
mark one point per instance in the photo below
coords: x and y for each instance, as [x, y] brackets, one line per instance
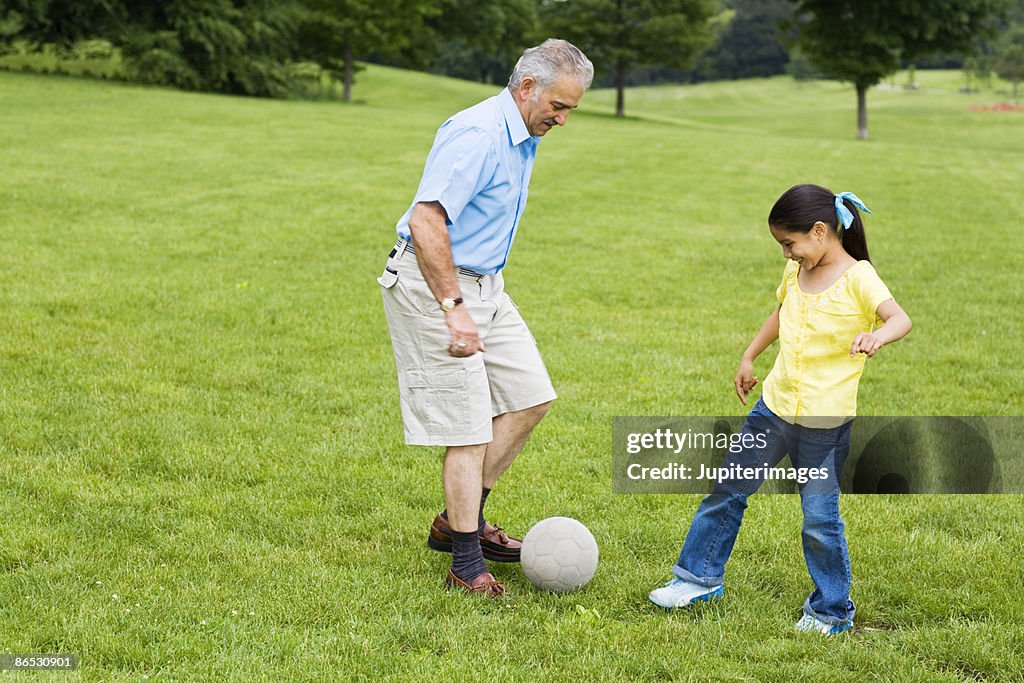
[801, 206]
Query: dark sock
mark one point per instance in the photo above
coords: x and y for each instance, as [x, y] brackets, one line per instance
[483, 499]
[467, 558]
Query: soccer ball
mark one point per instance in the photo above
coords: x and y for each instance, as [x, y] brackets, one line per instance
[559, 554]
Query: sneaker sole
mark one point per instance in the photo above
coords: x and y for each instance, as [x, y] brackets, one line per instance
[707, 597]
[446, 547]
[834, 631]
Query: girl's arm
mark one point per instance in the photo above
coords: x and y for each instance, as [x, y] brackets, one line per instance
[768, 333]
[896, 326]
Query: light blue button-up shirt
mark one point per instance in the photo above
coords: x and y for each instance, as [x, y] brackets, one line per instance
[479, 170]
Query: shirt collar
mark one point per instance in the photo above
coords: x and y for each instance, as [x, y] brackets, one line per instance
[513, 118]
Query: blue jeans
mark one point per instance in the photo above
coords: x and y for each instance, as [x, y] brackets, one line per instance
[717, 522]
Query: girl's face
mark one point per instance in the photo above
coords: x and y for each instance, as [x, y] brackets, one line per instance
[806, 248]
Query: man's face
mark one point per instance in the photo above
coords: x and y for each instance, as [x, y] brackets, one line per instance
[543, 110]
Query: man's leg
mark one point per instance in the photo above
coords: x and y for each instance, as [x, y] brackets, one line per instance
[511, 431]
[445, 400]
[462, 475]
[520, 395]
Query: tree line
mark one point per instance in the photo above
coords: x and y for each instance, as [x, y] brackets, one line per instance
[275, 48]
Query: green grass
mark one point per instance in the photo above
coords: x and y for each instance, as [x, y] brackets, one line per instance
[200, 410]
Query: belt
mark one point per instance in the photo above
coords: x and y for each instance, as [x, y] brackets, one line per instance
[404, 245]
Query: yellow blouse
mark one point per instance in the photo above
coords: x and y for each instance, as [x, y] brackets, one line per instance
[814, 376]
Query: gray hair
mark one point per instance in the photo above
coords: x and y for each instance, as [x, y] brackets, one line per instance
[549, 60]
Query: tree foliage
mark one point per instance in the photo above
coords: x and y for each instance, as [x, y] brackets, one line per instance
[334, 33]
[863, 41]
[750, 44]
[279, 48]
[239, 47]
[229, 46]
[619, 34]
[482, 40]
[60, 22]
[981, 61]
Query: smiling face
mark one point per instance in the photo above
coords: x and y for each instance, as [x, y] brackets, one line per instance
[542, 110]
[806, 248]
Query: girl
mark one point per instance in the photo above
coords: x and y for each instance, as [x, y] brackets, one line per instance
[834, 312]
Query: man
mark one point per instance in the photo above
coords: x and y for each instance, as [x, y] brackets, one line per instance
[469, 372]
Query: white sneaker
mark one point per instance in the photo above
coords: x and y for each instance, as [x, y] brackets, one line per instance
[679, 593]
[809, 624]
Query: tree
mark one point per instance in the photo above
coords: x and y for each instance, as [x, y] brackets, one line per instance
[239, 47]
[230, 46]
[863, 41]
[482, 40]
[981, 60]
[59, 22]
[749, 45]
[978, 66]
[619, 34]
[1010, 60]
[334, 32]
[799, 67]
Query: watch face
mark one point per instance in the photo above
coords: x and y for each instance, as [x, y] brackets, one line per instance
[447, 304]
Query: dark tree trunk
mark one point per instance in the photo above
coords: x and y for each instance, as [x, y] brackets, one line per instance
[620, 89]
[862, 112]
[346, 78]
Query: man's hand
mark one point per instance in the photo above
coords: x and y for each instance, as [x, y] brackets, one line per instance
[465, 340]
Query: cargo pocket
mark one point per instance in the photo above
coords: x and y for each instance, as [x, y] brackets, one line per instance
[439, 399]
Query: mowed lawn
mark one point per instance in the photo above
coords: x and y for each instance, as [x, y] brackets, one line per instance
[203, 470]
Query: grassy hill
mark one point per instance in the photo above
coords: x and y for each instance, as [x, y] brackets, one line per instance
[202, 459]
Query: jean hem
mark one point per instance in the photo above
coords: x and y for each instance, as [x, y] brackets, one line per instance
[683, 574]
[828, 619]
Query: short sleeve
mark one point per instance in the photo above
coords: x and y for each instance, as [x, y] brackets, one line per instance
[788, 274]
[869, 292]
[459, 165]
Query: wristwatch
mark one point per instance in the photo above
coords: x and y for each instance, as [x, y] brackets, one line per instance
[449, 303]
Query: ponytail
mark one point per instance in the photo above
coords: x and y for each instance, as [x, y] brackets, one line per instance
[854, 241]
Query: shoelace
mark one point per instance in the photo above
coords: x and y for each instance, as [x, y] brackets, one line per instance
[493, 586]
[502, 536]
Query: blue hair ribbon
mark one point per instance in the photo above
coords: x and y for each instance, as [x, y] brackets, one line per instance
[845, 215]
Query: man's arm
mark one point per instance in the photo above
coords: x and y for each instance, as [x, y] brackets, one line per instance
[429, 227]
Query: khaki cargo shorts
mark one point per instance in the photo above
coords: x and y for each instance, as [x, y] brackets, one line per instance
[449, 401]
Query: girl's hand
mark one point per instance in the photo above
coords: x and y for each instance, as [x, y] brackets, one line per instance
[744, 380]
[866, 343]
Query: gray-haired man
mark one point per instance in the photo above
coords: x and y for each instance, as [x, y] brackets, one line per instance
[469, 372]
